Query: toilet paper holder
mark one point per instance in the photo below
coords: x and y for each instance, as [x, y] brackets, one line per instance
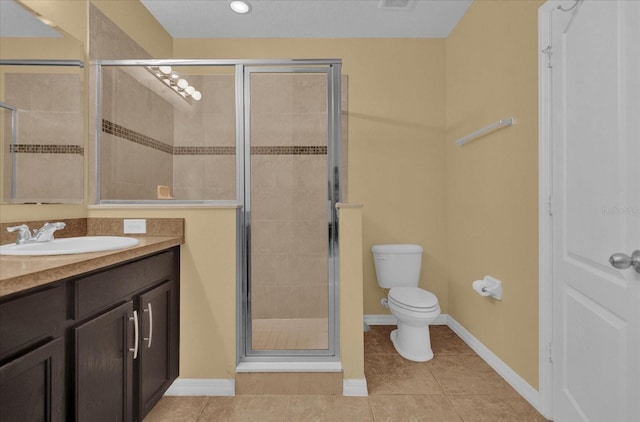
[488, 286]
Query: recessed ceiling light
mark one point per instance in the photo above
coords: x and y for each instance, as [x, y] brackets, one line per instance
[241, 7]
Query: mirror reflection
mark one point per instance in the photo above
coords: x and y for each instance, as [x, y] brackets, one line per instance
[41, 110]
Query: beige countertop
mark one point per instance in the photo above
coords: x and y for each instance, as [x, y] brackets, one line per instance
[18, 273]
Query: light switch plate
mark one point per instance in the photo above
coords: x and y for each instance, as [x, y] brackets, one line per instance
[136, 226]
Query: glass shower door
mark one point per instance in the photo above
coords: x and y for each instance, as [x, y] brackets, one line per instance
[288, 211]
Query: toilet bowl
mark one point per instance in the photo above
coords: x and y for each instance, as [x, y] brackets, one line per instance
[415, 309]
[398, 269]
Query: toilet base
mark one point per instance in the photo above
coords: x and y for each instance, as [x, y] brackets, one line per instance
[412, 343]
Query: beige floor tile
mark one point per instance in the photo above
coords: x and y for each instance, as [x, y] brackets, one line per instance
[328, 409]
[377, 340]
[392, 374]
[445, 342]
[495, 408]
[416, 408]
[468, 375]
[245, 409]
[177, 409]
[455, 386]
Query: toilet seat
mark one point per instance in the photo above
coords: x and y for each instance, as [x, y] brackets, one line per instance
[413, 299]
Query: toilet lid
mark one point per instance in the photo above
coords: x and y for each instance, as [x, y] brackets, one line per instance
[413, 297]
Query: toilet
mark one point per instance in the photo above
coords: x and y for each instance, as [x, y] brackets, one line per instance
[398, 269]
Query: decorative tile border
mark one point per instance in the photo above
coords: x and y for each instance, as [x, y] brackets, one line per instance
[289, 150]
[204, 150]
[46, 149]
[133, 136]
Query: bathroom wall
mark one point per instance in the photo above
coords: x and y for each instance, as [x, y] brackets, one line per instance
[204, 160]
[396, 130]
[491, 183]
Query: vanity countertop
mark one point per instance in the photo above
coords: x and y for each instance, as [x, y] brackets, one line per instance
[18, 273]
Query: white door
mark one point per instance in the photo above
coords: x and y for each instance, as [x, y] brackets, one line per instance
[595, 149]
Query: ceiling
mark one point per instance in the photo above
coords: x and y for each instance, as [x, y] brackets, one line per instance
[309, 18]
[16, 21]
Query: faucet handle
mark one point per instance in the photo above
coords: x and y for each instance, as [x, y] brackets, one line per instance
[45, 233]
[24, 233]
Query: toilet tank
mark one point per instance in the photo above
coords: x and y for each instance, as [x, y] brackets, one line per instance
[397, 265]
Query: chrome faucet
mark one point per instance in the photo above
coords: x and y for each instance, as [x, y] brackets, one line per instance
[43, 234]
[24, 234]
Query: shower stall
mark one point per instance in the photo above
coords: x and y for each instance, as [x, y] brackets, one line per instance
[265, 134]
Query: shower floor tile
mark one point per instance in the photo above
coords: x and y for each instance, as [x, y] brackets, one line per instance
[295, 334]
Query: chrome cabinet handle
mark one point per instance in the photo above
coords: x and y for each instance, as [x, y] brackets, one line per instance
[134, 318]
[150, 310]
[623, 261]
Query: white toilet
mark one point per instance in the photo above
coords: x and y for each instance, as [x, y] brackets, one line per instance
[398, 269]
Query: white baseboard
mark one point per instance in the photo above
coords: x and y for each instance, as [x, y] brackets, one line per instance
[388, 319]
[529, 393]
[202, 387]
[382, 319]
[355, 387]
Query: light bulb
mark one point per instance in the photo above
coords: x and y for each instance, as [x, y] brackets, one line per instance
[196, 96]
[166, 70]
[189, 90]
[240, 7]
[182, 83]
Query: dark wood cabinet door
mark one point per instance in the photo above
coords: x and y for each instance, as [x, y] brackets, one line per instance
[158, 346]
[104, 367]
[32, 385]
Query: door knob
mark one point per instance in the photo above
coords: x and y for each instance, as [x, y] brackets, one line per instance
[623, 261]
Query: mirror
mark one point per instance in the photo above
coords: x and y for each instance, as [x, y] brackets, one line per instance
[42, 106]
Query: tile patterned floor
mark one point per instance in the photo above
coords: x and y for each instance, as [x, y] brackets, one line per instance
[456, 386]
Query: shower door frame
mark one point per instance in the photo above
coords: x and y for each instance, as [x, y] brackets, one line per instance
[332, 69]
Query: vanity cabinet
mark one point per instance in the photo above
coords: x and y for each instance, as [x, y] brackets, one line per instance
[158, 346]
[32, 356]
[104, 367]
[97, 347]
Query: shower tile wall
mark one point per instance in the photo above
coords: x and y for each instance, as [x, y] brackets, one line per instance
[132, 168]
[50, 136]
[205, 138]
[289, 196]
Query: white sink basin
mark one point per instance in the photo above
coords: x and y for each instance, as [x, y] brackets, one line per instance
[70, 245]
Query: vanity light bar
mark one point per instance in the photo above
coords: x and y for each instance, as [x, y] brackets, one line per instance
[174, 81]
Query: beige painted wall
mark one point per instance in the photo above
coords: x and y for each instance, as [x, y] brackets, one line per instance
[492, 182]
[68, 15]
[208, 287]
[351, 334]
[396, 121]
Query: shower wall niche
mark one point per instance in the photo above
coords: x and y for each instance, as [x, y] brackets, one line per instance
[156, 144]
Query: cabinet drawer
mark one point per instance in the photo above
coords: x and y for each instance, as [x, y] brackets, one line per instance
[31, 318]
[102, 290]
